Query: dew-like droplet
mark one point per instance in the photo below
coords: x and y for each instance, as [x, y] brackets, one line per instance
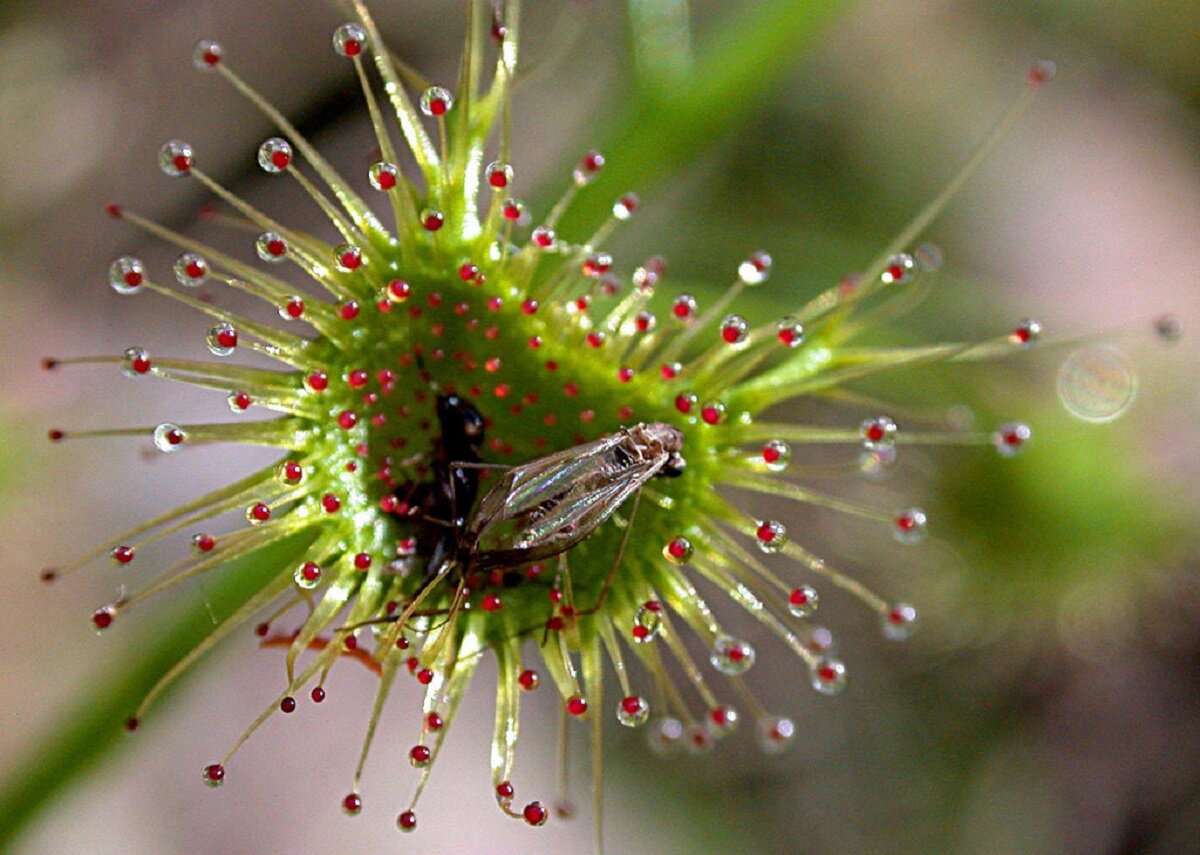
[258, 513]
[644, 321]
[596, 264]
[271, 247]
[289, 473]
[755, 269]
[770, 535]
[775, 734]
[203, 543]
[543, 237]
[436, 101]
[828, 675]
[803, 601]
[136, 362]
[352, 804]
[349, 40]
[307, 576]
[126, 275]
[626, 206]
[512, 209]
[678, 551]
[292, 309]
[776, 455]
[1097, 384]
[221, 339]
[535, 814]
[577, 705]
[528, 680]
[790, 332]
[633, 711]
[734, 329]
[878, 463]
[722, 720]
[877, 433]
[1168, 327]
[899, 621]
[900, 269]
[684, 307]
[169, 437]
[1041, 72]
[929, 257]
[713, 412]
[191, 270]
[731, 655]
[419, 756]
[176, 158]
[432, 220]
[499, 175]
[589, 165]
[123, 554]
[1011, 438]
[275, 155]
[383, 176]
[819, 640]
[348, 258]
[214, 775]
[647, 622]
[909, 526]
[664, 735]
[407, 821]
[1027, 332]
[697, 740]
[207, 55]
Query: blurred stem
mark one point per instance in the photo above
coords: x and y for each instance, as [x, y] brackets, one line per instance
[661, 39]
[664, 129]
[83, 734]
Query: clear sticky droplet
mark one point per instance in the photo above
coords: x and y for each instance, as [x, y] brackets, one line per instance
[877, 433]
[776, 455]
[221, 339]
[732, 655]
[589, 165]
[275, 155]
[1011, 438]
[828, 676]
[271, 247]
[775, 734]
[348, 258]
[722, 720]
[383, 176]
[647, 622]
[633, 711]
[626, 206]
[770, 535]
[755, 269]
[499, 175]
[436, 101]
[803, 601]
[665, 736]
[191, 270]
[909, 526]
[1027, 332]
[734, 329]
[900, 269]
[307, 576]
[176, 158]
[678, 551]
[169, 437]
[126, 275]
[899, 622]
[1097, 384]
[877, 464]
[135, 362]
[349, 40]
[207, 55]
[790, 332]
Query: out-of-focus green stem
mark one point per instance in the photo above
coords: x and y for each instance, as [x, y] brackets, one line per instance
[661, 40]
[736, 72]
[83, 734]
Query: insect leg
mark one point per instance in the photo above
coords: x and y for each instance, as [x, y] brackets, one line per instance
[612, 571]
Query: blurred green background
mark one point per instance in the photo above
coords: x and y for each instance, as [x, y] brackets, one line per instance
[1050, 703]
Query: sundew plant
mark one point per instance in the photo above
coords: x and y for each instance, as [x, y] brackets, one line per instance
[497, 440]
